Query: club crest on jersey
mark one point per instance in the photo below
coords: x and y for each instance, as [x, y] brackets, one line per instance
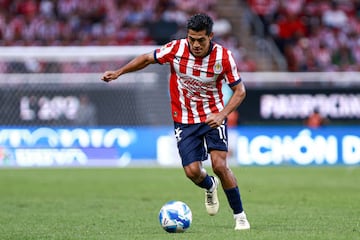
[218, 68]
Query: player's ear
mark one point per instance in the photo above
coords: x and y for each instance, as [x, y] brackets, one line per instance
[211, 35]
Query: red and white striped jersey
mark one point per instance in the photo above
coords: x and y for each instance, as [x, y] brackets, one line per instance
[196, 82]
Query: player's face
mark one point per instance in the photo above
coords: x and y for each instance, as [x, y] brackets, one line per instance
[199, 42]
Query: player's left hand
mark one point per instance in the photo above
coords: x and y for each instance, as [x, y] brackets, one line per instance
[215, 120]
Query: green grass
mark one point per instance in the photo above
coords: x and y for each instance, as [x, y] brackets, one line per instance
[281, 203]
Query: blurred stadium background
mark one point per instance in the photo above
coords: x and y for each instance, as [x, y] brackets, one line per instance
[294, 56]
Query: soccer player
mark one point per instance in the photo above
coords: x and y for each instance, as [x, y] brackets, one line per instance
[198, 69]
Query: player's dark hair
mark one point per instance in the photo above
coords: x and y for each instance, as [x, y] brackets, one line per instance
[200, 22]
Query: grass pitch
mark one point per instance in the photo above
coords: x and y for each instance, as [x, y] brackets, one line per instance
[281, 203]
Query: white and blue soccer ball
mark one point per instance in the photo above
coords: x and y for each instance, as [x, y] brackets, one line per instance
[175, 217]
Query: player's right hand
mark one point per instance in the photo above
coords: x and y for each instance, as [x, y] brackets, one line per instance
[109, 76]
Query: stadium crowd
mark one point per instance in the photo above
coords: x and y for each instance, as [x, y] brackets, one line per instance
[313, 35]
[104, 23]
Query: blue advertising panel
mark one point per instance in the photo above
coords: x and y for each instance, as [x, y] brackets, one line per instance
[143, 146]
[45, 146]
[298, 146]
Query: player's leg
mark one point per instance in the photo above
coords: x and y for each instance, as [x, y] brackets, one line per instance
[227, 179]
[231, 189]
[216, 140]
[221, 169]
[195, 172]
[198, 175]
[192, 152]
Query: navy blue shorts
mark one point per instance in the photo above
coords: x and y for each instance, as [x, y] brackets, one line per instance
[195, 141]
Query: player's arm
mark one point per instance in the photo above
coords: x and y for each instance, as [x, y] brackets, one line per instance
[239, 93]
[136, 64]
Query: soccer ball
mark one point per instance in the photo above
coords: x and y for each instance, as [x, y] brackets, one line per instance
[175, 217]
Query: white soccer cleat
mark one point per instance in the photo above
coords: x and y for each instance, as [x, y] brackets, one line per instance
[241, 222]
[211, 199]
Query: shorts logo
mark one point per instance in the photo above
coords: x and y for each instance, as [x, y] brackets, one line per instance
[218, 68]
[178, 131]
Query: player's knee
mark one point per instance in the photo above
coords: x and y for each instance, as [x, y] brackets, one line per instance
[194, 174]
[220, 169]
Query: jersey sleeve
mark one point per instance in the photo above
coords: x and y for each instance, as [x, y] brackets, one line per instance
[232, 76]
[165, 53]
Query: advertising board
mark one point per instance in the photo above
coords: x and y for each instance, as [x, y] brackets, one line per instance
[144, 146]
